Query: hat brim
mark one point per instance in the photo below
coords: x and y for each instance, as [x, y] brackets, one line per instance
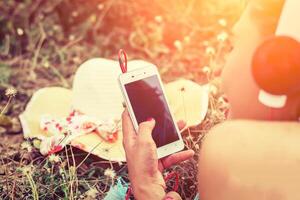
[92, 96]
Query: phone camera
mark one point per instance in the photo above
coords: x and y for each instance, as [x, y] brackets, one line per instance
[132, 76]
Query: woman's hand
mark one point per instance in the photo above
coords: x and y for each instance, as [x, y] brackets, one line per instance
[144, 168]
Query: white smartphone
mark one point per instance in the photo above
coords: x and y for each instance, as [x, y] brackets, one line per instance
[145, 98]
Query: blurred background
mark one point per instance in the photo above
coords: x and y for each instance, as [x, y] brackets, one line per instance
[42, 43]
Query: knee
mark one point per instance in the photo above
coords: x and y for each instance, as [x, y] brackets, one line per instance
[233, 164]
[217, 156]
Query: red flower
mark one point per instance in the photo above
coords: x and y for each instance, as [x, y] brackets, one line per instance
[55, 149]
[88, 126]
[112, 137]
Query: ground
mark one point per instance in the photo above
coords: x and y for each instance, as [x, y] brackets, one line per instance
[42, 43]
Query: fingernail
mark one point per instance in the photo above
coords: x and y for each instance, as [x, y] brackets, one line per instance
[169, 198]
[150, 119]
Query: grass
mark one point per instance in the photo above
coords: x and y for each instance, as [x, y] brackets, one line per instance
[42, 43]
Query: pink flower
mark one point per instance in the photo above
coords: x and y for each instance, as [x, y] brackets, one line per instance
[55, 149]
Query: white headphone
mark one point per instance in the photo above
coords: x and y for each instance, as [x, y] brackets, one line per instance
[287, 26]
[276, 70]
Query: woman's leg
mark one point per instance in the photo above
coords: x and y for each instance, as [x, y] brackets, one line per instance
[250, 160]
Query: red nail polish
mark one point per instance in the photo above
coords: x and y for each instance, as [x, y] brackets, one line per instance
[150, 119]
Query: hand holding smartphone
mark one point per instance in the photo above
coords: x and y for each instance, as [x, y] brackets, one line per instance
[145, 98]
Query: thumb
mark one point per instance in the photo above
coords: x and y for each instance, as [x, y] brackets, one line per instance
[172, 196]
[145, 130]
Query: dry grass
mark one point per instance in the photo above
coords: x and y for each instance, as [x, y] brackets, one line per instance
[43, 42]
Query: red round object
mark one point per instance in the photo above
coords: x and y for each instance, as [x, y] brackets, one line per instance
[276, 65]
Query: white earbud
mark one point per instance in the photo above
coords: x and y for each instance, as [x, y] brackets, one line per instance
[270, 100]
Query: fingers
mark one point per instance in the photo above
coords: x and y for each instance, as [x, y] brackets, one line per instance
[177, 158]
[145, 131]
[172, 196]
[129, 134]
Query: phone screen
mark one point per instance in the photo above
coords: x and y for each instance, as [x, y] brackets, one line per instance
[148, 101]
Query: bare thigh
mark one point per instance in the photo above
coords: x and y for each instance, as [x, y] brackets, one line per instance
[250, 160]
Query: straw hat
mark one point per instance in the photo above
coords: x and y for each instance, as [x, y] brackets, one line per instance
[96, 97]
